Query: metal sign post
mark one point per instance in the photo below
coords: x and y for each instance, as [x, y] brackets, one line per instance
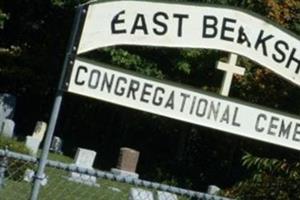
[71, 52]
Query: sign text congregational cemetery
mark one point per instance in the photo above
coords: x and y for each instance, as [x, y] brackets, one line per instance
[187, 26]
[111, 85]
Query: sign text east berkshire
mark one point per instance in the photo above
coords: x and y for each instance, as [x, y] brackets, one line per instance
[187, 105]
[191, 26]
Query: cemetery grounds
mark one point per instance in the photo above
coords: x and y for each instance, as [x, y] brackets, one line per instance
[59, 187]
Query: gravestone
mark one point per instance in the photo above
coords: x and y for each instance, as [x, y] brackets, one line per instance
[166, 196]
[56, 145]
[29, 174]
[213, 190]
[33, 142]
[7, 108]
[140, 194]
[7, 128]
[84, 158]
[127, 163]
[39, 130]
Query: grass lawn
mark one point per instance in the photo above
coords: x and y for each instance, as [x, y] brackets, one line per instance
[60, 188]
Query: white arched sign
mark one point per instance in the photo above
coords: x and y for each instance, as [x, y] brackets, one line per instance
[174, 25]
[192, 26]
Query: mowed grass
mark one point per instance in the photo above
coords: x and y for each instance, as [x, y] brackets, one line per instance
[61, 188]
[58, 186]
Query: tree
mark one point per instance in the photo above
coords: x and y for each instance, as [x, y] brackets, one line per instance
[271, 179]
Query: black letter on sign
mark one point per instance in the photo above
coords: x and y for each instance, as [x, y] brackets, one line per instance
[285, 130]
[95, 75]
[119, 90]
[293, 58]
[262, 41]
[158, 100]
[160, 23]
[115, 21]
[142, 26]
[146, 92]
[279, 50]
[296, 132]
[77, 82]
[212, 25]
[133, 88]
[243, 37]
[226, 28]
[257, 128]
[180, 20]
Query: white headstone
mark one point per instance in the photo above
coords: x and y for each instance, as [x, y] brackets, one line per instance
[7, 128]
[28, 177]
[33, 144]
[39, 130]
[84, 158]
[230, 68]
[140, 194]
[166, 196]
[212, 189]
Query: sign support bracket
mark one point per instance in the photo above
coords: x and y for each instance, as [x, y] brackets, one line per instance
[70, 55]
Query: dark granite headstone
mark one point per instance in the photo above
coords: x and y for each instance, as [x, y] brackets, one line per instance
[56, 145]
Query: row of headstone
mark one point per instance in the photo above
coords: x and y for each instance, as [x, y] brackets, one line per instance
[7, 126]
[85, 158]
[34, 141]
[126, 166]
[141, 194]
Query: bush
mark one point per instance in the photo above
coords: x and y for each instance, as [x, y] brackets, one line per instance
[16, 168]
[271, 179]
[13, 145]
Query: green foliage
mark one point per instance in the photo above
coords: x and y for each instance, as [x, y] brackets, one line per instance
[271, 179]
[13, 145]
[3, 18]
[128, 60]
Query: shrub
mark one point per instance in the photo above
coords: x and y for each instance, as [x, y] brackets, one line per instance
[13, 145]
[271, 179]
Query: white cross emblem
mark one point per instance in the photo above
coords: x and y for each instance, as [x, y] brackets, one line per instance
[230, 68]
